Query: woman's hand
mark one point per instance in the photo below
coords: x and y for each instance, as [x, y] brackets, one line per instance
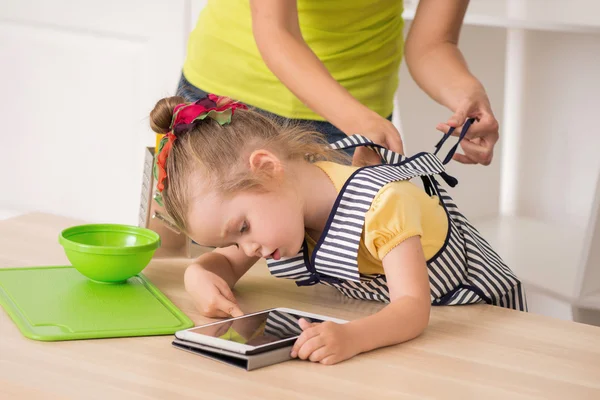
[380, 131]
[326, 343]
[479, 142]
[279, 40]
[439, 68]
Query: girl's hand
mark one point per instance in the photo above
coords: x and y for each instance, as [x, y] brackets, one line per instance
[210, 293]
[327, 342]
[478, 145]
[380, 131]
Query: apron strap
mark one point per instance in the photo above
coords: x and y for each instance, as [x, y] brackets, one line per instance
[390, 157]
[452, 151]
[387, 156]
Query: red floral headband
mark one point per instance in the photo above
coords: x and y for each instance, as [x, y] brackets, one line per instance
[218, 108]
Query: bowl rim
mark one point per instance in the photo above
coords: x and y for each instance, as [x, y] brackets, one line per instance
[68, 244]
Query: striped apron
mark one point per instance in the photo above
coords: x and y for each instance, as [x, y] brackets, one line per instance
[466, 270]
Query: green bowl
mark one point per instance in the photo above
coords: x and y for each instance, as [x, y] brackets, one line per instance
[109, 252]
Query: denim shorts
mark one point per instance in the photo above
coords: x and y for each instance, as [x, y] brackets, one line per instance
[191, 93]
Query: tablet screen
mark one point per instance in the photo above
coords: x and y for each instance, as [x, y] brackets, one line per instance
[258, 329]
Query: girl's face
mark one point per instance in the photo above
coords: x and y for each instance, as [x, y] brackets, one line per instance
[263, 224]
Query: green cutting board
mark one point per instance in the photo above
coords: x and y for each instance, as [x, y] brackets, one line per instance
[58, 303]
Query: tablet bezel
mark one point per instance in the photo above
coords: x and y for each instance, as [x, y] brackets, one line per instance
[218, 343]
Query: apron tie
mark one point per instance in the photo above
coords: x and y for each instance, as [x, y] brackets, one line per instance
[462, 135]
[449, 179]
[317, 278]
[429, 186]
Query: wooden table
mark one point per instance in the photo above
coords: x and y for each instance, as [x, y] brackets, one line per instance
[472, 352]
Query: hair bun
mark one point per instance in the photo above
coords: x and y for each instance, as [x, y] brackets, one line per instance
[162, 114]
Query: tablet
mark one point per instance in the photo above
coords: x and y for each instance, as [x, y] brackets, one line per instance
[253, 333]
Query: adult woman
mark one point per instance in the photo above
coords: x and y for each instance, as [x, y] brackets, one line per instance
[334, 64]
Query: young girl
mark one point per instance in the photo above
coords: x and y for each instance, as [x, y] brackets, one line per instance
[235, 180]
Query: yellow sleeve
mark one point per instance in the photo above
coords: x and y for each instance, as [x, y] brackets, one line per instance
[394, 216]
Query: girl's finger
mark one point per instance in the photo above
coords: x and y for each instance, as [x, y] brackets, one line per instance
[218, 314]
[225, 290]
[304, 324]
[303, 338]
[319, 354]
[227, 306]
[329, 360]
[310, 346]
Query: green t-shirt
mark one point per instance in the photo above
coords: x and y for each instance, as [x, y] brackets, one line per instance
[360, 42]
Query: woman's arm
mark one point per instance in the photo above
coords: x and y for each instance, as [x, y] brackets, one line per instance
[229, 263]
[277, 33]
[439, 68]
[405, 318]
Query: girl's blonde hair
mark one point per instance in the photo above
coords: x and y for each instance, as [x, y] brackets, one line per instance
[219, 153]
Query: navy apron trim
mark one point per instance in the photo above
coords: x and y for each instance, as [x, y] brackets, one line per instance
[428, 186]
[354, 141]
[315, 277]
[462, 135]
[450, 180]
[442, 301]
[339, 199]
[448, 233]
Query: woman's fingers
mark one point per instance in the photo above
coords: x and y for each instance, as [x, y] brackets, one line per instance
[479, 142]
[461, 158]
[394, 141]
[458, 118]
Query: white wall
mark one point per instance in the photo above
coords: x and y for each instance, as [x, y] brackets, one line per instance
[78, 81]
[560, 140]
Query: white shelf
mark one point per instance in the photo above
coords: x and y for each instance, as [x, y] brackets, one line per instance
[591, 301]
[548, 15]
[545, 256]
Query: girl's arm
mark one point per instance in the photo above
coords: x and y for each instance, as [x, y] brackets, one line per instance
[229, 263]
[439, 68]
[211, 277]
[277, 33]
[405, 318]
